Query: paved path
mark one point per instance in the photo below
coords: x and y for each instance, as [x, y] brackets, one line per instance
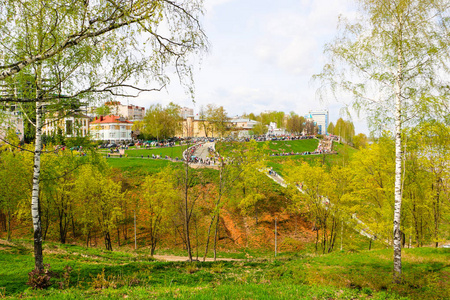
[202, 151]
[361, 227]
[185, 258]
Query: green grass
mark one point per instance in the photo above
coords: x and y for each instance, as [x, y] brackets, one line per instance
[293, 146]
[343, 156]
[340, 275]
[169, 151]
[277, 146]
[138, 166]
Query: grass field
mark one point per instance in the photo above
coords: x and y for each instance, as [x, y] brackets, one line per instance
[169, 151]
[293, 146]
[135, 164]
[344, 154]
[135, 275]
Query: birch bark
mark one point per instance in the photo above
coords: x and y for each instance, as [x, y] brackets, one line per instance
[35, 207]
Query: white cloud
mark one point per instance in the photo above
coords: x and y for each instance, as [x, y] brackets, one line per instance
[263, 55]
[293, 39]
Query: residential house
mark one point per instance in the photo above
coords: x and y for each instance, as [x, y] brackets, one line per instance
[111, 128]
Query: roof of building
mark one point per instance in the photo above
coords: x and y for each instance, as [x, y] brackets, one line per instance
[110, 119]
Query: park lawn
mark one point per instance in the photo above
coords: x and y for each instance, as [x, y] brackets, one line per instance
[173, 152]
[276, 146]
[343, 156]
[292, 146]
[130, 274]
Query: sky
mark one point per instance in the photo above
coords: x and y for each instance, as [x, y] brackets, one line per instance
[263, 55]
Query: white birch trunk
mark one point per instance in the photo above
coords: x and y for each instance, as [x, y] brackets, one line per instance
[398, 163]
[35, 212]
[187, 216]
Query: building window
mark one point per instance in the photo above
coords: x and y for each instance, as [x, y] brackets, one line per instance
[69, 127]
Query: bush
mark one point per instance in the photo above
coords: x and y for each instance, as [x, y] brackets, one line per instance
[101, 282]
[65, 282]
[40, 279]
[191, 267]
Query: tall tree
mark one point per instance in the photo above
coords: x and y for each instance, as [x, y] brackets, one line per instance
[98, 197]
[360, 140]
[330, 128]
[345, 130]
[216, 118]
[295, 123]
[160, 195]
[160, 122]
[392, 60]
[14, 183]
[80, 48]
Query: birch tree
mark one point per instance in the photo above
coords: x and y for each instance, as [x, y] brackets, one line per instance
[85, 49]
[392, 61]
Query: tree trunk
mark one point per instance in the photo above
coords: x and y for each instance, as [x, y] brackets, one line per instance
[186, 211]
[436, 214]
[73, 227]
[35, 206]
[118, 236]
[62, 225]
[221, 184]
[88, 238]
[398, 164]
[8, 225]
[216, 233]
[208, 237]
[108, 244]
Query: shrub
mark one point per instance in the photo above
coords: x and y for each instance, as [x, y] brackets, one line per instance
[40, 279]
[101, 282]
[64, 283]
[218, 267]
[191, 268]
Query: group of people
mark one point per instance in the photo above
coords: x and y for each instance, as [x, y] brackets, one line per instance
[324, 147]
[290, 153]
[155, 144]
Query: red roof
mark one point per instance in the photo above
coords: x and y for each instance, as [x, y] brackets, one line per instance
[110, 119]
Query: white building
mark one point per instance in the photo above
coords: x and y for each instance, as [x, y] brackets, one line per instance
[241, 126]
[129, 112]
[11, 120]
[110, 128]
[273, 130]
[75, 125]
[320, 118]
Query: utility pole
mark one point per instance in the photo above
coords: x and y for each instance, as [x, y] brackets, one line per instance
[135, 244]
[275, 236]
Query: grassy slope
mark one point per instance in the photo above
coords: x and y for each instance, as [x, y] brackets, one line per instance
[293, 146]
[364, 275]
[138, 166]
[135, 164]
[278, 163]
[277, 146]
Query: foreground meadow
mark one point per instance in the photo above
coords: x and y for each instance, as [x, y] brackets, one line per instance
[98, 274]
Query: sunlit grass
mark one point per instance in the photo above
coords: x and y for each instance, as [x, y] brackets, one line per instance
[340, 275]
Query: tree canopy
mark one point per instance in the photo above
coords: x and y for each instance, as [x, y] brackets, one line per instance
[393, 60]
